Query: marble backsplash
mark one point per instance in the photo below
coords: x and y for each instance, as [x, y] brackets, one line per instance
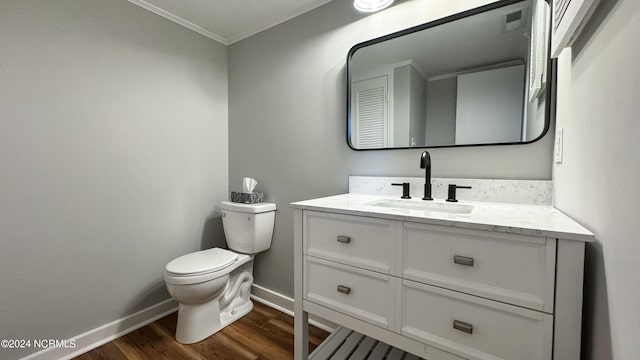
[533, 192]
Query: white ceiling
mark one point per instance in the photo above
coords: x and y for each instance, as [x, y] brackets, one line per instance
[229, 21]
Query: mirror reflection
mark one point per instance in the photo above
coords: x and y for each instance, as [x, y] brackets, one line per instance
[479, 79]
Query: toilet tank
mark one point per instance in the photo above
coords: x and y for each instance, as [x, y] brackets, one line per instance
[248, 227]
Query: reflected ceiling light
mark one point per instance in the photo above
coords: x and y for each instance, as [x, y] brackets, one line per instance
[371, 5]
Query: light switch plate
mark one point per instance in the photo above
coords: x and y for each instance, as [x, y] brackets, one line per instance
[558, 145]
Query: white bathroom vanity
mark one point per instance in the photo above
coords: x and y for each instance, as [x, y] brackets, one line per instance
[438, 280]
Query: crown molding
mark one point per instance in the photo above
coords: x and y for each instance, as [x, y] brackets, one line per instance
[178, 20]
[250, 31]
[278, 20]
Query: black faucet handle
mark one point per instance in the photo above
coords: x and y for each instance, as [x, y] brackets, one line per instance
[405, 189]
[451, 197]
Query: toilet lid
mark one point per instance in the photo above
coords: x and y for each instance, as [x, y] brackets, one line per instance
[202, 262]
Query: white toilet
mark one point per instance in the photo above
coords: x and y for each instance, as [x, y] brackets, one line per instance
[212, 286]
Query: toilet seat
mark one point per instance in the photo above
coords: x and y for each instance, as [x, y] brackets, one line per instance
[197, 279]
[201, 263]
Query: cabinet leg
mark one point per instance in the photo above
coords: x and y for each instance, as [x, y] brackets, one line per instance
[301, 334]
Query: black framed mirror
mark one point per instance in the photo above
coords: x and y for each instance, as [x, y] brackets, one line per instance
[480, 77]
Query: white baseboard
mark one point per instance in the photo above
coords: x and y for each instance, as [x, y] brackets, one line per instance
[103, 334]
[284, 304]
[99, 336]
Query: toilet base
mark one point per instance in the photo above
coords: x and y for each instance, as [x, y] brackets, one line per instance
[228, 317]
[192, 326]
[199, 321]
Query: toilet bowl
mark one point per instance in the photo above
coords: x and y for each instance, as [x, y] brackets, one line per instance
[212, 286]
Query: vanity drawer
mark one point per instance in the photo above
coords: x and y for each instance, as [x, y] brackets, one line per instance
[365, 242]
[363, 294]
[473, 327]
[511, 268]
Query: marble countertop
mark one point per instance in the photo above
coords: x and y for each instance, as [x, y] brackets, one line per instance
[535, 220]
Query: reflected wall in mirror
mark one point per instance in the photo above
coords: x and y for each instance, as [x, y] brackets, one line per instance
[474, 78]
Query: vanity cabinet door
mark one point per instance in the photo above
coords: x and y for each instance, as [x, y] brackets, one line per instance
[365, 242]
[363, 294]
[511, 268]
[473, 327]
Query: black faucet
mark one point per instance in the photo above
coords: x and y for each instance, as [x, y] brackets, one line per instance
[405, 190]
[451, 197]
[425, 163]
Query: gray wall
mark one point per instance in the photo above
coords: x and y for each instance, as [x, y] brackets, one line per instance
[597, 183]
[418, 108]
[113, 154]
[489, 106]
[440, 127]
[287, 101]
[408, 106]
[401, 105]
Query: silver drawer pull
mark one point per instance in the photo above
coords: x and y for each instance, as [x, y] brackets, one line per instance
[463, 260]
[344, 239]
[344, 289]
[463, 326]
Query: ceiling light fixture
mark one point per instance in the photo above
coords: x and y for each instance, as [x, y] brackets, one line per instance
[371, 5]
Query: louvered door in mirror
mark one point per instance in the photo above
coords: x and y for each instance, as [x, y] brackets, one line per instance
[371, 112]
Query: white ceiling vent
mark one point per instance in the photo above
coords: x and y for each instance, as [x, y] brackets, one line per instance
[514, 20]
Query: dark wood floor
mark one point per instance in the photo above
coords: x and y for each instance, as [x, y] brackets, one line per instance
[263, 334]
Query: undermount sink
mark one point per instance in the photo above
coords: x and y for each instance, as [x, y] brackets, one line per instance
[423, 205]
